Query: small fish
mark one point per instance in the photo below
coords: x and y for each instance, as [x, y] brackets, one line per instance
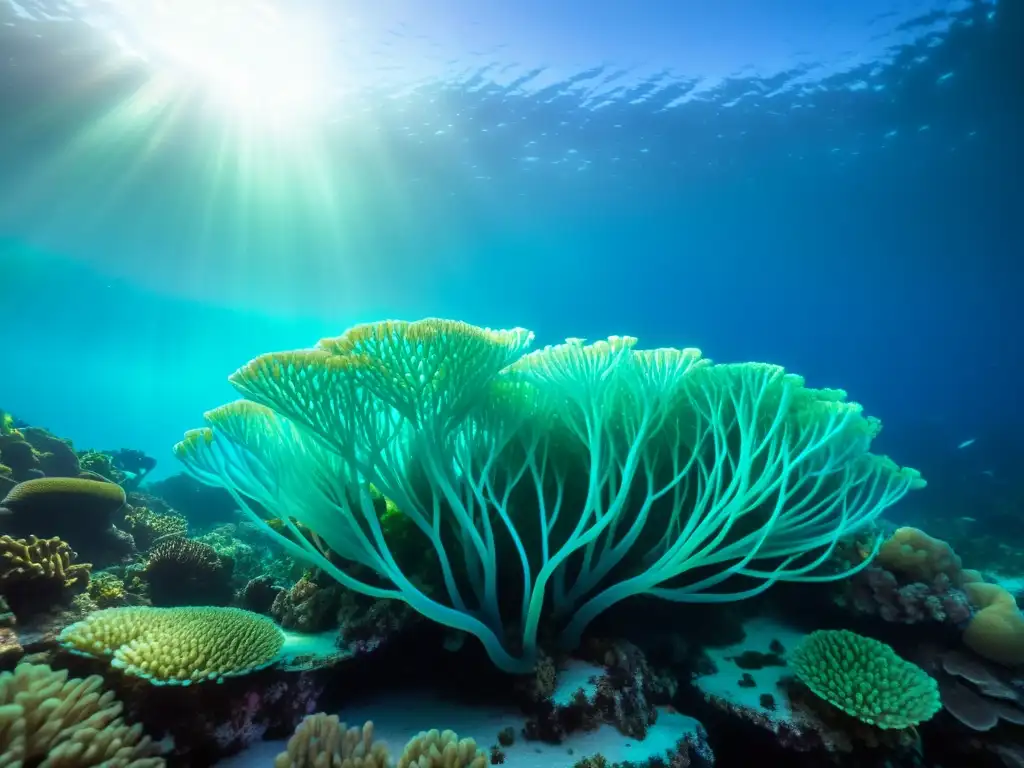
[988, 473]
[965, 443]
[968, 519]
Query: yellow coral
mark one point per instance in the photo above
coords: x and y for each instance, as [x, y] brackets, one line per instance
[177, 646]
[49, 721]
[437, 749]
[34, 558]
[913, 552]
[997, 629]
[106, 590]
[321, 741]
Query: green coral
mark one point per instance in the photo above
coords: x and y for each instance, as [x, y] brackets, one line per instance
[106, 590]
[177, 646]
[102, 464]
[865, 679]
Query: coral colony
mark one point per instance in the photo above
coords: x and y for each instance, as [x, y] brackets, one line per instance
[624, 555]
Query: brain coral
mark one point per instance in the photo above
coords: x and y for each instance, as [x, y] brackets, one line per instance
[177, 646]
[45, 493]
[49, 721]
[865, 678]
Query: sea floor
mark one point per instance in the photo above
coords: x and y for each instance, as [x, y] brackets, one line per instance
[398, 717]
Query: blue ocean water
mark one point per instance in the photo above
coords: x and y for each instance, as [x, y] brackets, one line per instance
[834, 187]
[826, 187]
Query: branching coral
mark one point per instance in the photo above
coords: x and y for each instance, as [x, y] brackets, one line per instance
[321, 741]
[187, 572]
[578, 462]
[35, 574]
[50, 721]
[441, 749]
[866, 679]
[177, 646]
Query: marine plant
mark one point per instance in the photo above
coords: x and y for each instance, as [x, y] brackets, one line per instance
[596, 471]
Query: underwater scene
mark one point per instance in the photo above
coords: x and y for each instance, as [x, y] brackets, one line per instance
[448, 384]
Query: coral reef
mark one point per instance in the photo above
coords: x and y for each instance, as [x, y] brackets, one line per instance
[914, 578]
[177, 646]
[307, 606]
[107, 591]
[322, 741]
[148, 527]
[187, 572]
[610, 682]
[31, 452]
[780, 715]
[38, 574]
[202, 504]
[78, 510]
[50, 721]
[258, 595]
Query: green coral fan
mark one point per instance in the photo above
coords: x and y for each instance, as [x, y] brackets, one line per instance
[603, 466]
[177, 646]
[49, 721]
[866, 679]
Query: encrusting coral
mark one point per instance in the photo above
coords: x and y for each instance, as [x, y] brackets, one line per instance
[177, 646]
[36, 574]
[322, 741]
[50, 721]
[865, 679]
